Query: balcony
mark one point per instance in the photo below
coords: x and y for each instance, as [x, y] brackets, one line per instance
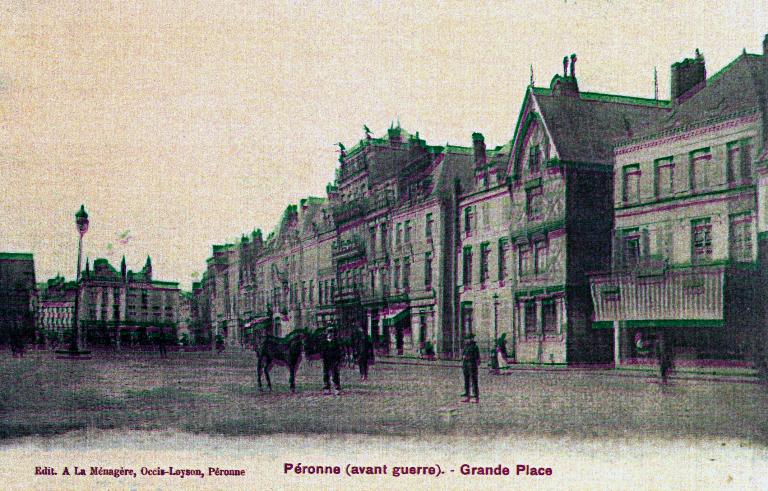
[653, 292]
[349, 210]
[347, 294]
[343, 249]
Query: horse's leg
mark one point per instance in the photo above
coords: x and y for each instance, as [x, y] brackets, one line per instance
[292, 376]
[259, 368]
[266, 375]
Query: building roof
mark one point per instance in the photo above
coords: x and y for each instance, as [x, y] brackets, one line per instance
[585, 126]
[741, 86]
[16, 256]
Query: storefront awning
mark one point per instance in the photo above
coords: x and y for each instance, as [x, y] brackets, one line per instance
[396, 315]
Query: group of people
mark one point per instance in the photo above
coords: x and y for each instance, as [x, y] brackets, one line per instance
[471, 362]
[332, 354]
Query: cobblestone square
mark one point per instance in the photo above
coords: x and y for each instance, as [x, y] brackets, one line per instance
[217, 394]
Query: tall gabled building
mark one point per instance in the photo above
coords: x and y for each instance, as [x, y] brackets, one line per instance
[561, 184]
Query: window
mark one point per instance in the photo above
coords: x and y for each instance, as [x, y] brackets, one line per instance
[311, 292]
[549, 316]
[407, 231]
[534, 159]
[701, 168]
[665, 175]
[739, 165]
[372, 275]
[741, 238]
[664, 241]
[333, 288]
[468, 219]
[746, 159]
[383, 237]
[503, 248]
[485, 253]
[541, 250]
[631, 183]
[372, 234]
[526, 260]
[396, 279]
[486, 216]
[535, 203]
[466, 319]
[530, 317]
[406, 273]
[428, 270]
[398, 233]
[467, 265]
[701, 242]
[428, 227]
[733, 163]
[303, 292]
[630, 247]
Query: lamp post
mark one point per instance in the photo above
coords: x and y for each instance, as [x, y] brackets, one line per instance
[81, 221]
[495, 318]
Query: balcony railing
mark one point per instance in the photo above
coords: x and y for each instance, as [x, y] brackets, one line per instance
[348, 248]
[692, 293]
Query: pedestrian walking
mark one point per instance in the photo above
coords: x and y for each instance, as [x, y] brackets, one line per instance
[664, 355]
[331, 360]
[365, 355]
[470, 362]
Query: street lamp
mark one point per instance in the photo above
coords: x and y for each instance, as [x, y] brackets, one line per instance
[81, 221]
[495, 317]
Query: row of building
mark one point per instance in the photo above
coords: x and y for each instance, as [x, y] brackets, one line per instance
[116, 308]
[604, 219]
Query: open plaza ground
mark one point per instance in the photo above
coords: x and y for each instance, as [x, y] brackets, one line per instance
[217, 394]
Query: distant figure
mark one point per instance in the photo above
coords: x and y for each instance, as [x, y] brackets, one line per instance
[161, 344]
[664, 354]
[364, 355]
[501, 352]
[219, 343]
[331, 360]
[470, 362]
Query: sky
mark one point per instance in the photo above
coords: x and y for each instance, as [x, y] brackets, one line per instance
[180, 125]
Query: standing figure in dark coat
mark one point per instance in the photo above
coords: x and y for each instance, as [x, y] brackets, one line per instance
[364, 354]
[470, 362]
[331, 360]
[664, 354]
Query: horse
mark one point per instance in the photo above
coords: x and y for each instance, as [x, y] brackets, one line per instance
[286, 350]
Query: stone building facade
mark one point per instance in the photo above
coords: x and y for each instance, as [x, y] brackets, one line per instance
[603, 216]
[55, 310]
[686, 204]
[122, 308]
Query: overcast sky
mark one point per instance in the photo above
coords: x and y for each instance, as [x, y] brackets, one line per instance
[187, 124]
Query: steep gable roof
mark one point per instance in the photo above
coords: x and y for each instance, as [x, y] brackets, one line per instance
[584, 127]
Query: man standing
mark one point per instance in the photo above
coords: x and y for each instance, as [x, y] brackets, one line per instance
[470, 362]
[331, 361]
[664, 353]
[364, 354]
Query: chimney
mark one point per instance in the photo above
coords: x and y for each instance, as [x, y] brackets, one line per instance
[478, 142]
[688, 76]
[765, 46]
